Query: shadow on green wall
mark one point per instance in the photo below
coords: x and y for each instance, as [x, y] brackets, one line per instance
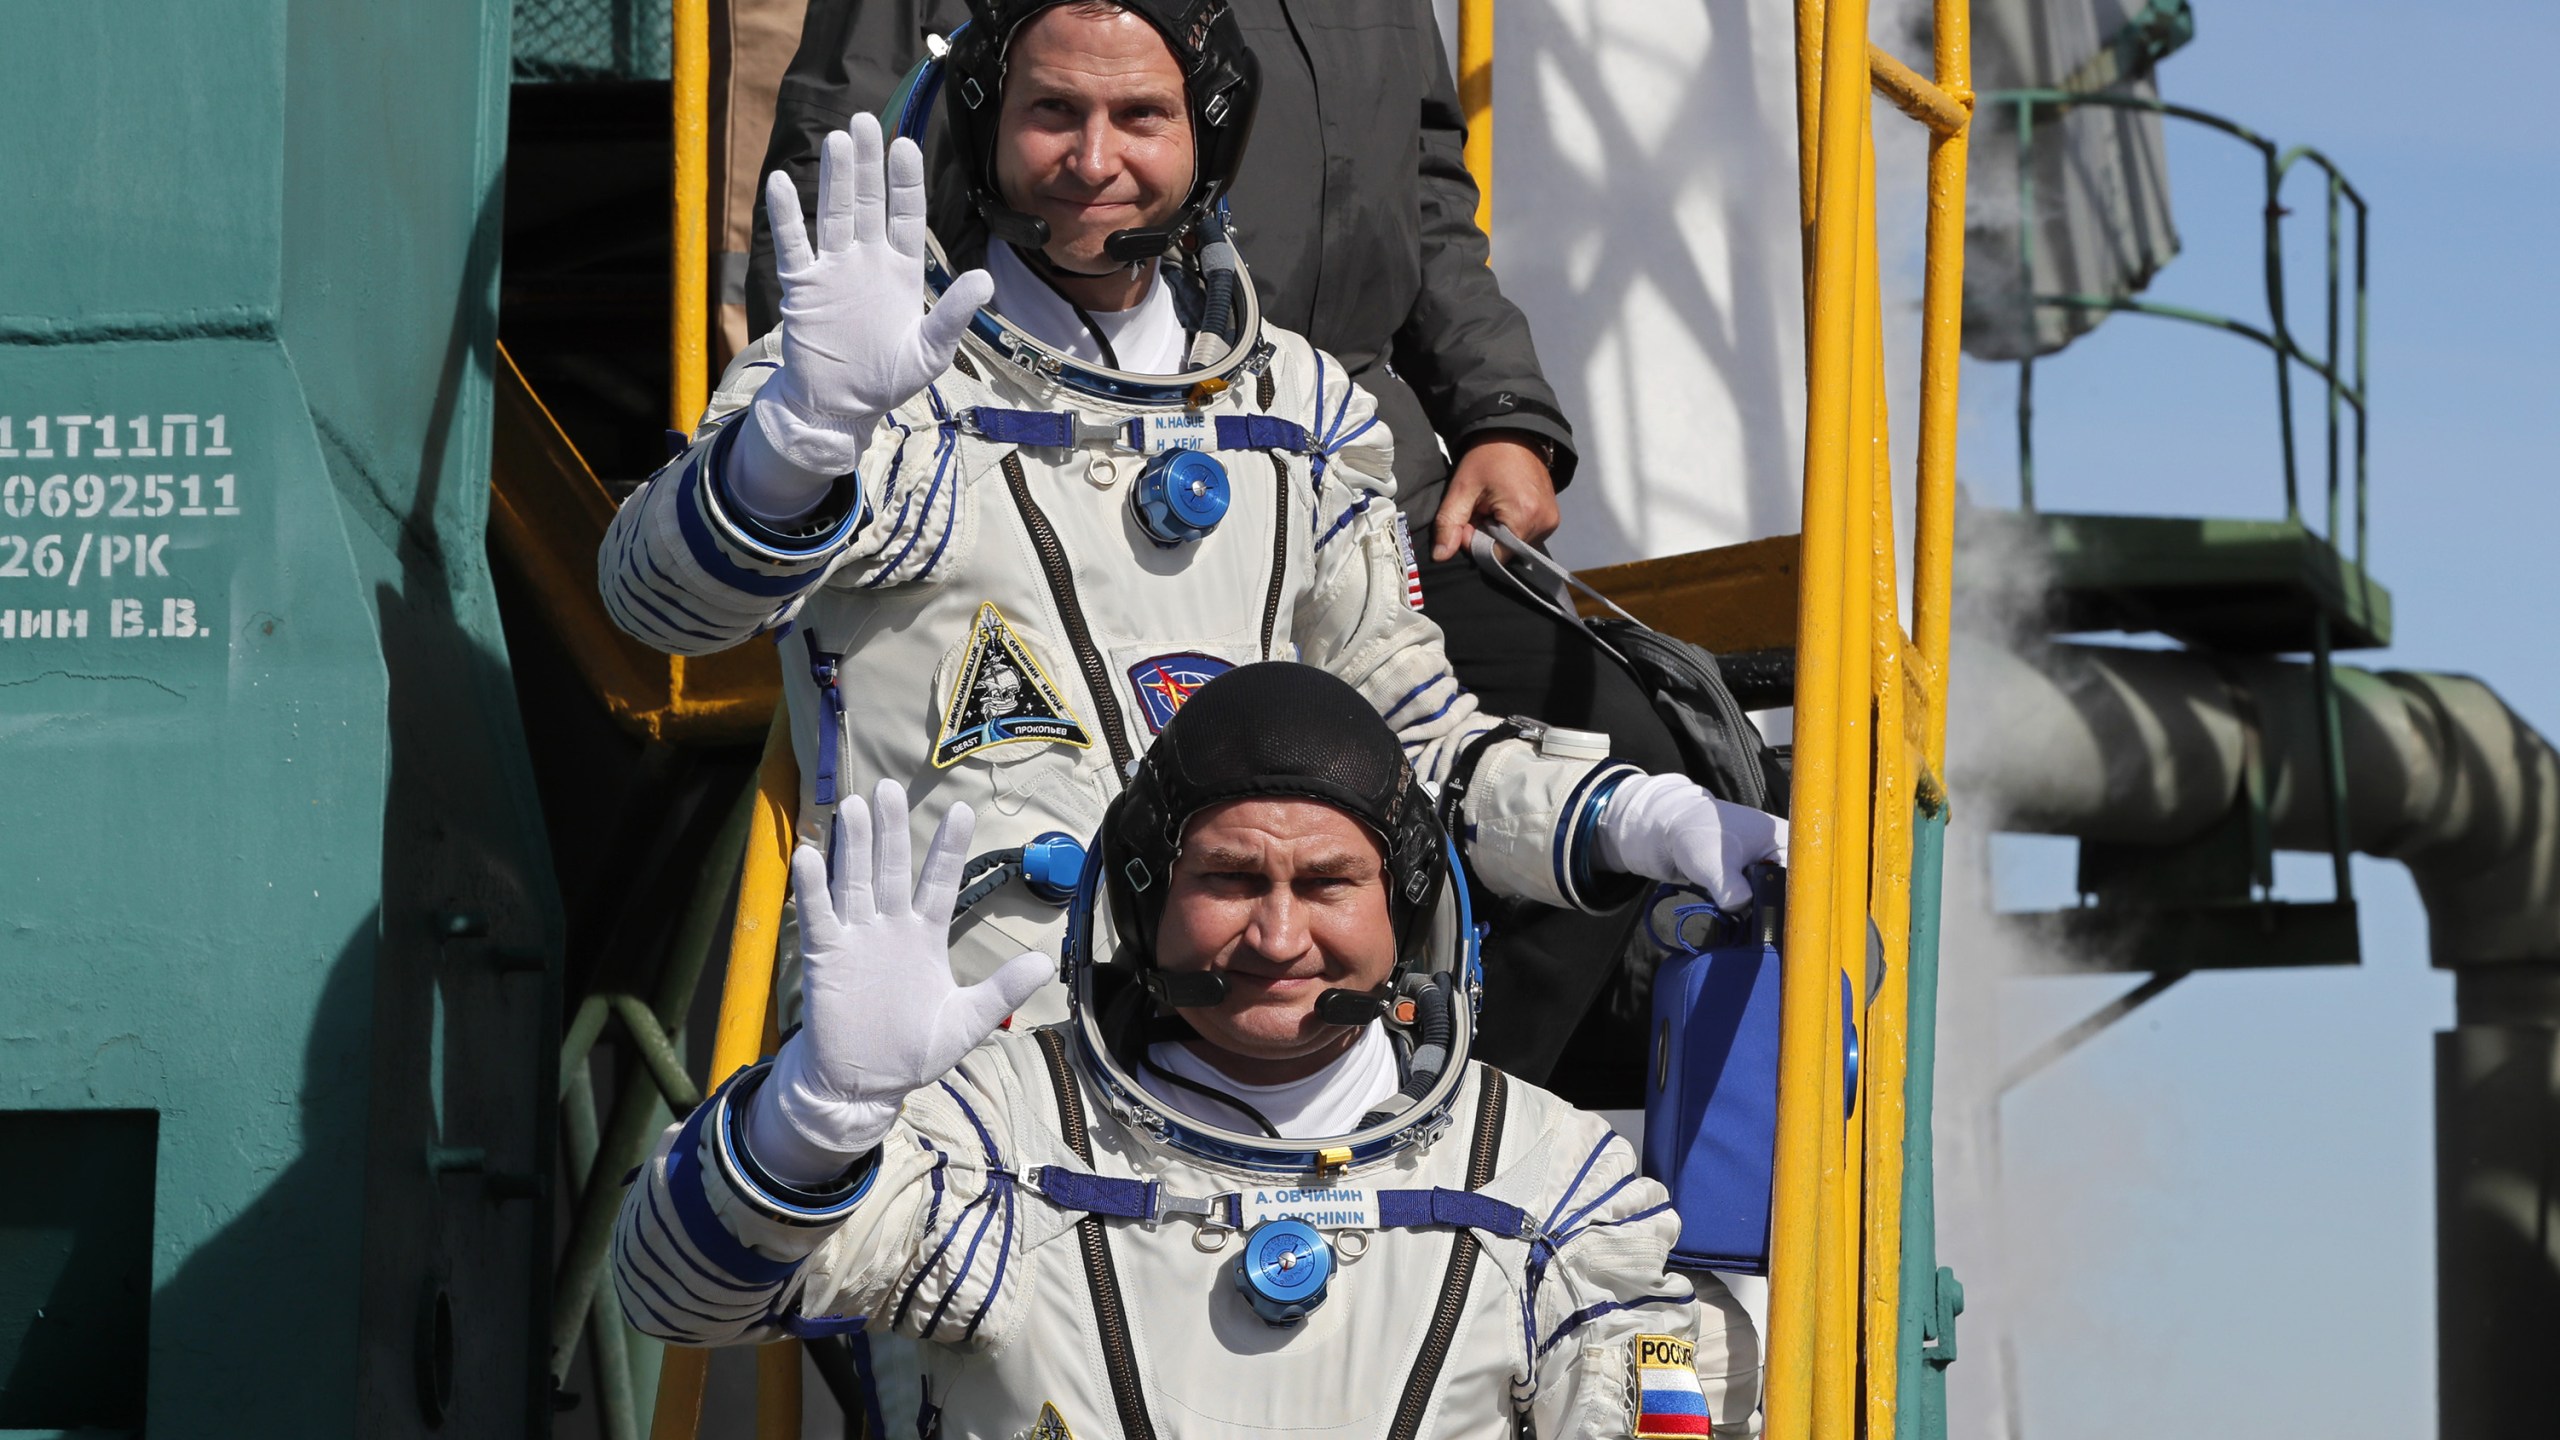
[258, 1378]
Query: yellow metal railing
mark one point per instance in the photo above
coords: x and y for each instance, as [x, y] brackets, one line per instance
[745, 1029]
[547, 518]
[742, 1035]
[1870, 716]
[1870, 725]
[1475, 101]
[689, 327]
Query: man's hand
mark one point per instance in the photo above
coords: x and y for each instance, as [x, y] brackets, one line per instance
[1498, 478]
[856, 340]
[882, 1017]
[1666, 827]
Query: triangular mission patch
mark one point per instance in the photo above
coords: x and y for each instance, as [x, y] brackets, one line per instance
[1052, 1426]
[1001, 696]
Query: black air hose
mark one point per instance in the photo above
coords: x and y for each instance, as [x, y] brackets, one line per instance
[1435, 1032]
[1218, 262]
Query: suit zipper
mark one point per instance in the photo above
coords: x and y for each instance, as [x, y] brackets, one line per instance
[1279, 551]
[1436, 1341]
[1062, 589]
[1110, 1319]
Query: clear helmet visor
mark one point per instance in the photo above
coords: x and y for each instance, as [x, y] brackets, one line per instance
[1230, 338]
[1110, 1010]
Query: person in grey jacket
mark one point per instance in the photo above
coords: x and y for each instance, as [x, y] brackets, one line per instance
[1363, 235]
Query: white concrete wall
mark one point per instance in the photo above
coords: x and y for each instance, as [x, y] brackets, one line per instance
[1645, 219]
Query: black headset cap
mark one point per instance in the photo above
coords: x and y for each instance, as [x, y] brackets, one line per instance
[1276, 729]
[1219, 74]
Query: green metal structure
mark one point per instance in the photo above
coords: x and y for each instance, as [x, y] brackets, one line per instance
[2025, 107]
[2239, 587]
[2448, 780]
[279, 967]
[1931, 1297]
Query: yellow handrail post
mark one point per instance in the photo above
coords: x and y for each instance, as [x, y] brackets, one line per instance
[1941, 336]
[1809, 21]
[1925, 101]
[1885, 1052]
[689, 336]
[778, 1391]
[1835, 1400]
[1861, 752]
[737, 1039]
[1475, 101]
[1883, 1055]
[746, 992]
[1808, 1100]
[778, 1398]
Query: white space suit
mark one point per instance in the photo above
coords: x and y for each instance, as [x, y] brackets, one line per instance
[1409, 1243]
[1569, 1316]
[988, 622]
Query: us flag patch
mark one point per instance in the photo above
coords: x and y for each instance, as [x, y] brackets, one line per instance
[1668, 1401]
[1412, 568]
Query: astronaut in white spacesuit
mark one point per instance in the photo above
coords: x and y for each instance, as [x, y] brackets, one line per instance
[1253, 1186]
[1000, 541]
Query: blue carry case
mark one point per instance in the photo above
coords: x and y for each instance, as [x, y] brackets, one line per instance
[1711, 1091]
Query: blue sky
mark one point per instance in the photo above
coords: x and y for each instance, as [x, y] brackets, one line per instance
[2224, 1207]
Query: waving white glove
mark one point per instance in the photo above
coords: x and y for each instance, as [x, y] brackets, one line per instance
[1668, 828]
[856, 340]
[881, 1015]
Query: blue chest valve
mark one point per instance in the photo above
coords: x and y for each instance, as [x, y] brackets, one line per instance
[1283, 1269]
[1051, 866]
[1180, 496]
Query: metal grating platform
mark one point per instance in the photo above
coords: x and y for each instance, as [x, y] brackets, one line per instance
[2247, 586]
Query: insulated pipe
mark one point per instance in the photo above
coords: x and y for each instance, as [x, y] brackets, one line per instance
[2148, 746]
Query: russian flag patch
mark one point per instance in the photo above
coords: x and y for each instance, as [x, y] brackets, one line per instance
[1668, 1399]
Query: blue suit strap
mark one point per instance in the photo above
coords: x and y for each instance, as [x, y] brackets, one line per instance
[1261, 432]
[802, 1327]
[1145, 434]
[1146, 1202]
[1020, 427]
[1463, 1209]
[1121, 1199]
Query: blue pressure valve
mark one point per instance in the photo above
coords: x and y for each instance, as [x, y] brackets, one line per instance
[1180, 496]
[1052, 863]
[1283, 1269]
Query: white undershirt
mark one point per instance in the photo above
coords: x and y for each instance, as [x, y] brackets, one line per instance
[1148, 336]
[1329, 1102]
